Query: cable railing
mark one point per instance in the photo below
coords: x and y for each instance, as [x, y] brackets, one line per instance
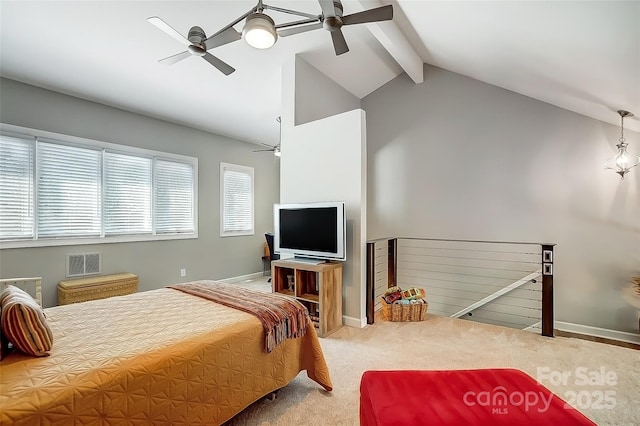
[495, 282]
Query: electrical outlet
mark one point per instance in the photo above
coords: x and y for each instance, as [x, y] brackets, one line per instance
[183, 272]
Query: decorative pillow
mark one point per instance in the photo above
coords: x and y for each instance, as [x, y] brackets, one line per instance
[23, 322]
[2, 351]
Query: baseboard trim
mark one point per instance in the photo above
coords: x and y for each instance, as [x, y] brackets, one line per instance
[603, 333]
[354, 322]
[241, 278]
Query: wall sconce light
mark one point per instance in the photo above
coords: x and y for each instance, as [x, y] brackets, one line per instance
[622, 162]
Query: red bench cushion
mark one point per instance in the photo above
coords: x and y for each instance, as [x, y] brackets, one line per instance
[461, 397]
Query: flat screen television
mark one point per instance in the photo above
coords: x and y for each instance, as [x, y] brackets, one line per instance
[315, 231]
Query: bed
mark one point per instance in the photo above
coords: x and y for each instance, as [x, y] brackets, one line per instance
[155, 357]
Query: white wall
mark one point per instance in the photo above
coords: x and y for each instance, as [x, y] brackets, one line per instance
[158, 262]
[457, 158]
[325, 160]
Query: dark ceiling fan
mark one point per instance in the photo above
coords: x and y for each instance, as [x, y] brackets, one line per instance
[261, 32]
[197, 44]
[332, 20]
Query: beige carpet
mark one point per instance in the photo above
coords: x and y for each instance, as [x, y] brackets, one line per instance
[443, 343]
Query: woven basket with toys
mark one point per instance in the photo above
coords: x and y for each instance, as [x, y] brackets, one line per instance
[404, 305]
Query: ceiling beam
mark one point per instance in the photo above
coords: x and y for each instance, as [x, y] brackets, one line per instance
[392, 38]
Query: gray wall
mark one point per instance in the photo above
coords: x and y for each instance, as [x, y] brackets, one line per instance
[457, 158]
[157, 263]
[317, 96]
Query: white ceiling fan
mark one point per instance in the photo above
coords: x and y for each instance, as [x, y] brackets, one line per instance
[273, 148]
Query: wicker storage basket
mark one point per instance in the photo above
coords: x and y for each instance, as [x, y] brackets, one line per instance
[100, 287]
[400, 312]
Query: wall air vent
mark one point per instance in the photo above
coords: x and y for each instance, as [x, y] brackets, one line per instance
[83, 264]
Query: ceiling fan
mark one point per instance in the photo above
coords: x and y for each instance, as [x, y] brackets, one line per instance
[197, 44]
[261, 32]
[332, 20]
[273, 148]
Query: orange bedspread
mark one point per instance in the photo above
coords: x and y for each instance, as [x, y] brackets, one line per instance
[156, 357]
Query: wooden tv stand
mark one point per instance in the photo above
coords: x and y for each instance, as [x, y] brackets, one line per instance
[318, 287]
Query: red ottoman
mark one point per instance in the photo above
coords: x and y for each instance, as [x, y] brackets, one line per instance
[461, 397]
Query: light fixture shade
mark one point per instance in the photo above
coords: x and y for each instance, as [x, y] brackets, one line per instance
[259, 31]
[622, 162]
[276, 151]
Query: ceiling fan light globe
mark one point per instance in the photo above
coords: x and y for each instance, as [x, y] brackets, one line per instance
[259, 31]
[277, 152]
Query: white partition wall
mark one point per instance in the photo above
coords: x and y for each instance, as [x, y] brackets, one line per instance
[323, 142]
[325, 160]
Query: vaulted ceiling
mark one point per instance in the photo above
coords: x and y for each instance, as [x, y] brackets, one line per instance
[581, 56]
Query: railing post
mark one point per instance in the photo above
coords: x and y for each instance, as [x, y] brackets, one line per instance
[392, 271]
[370, 281]
[547, 289]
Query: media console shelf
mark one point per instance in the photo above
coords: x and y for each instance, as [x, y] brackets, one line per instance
[318, 287]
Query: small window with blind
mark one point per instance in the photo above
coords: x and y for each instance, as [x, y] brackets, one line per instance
[236, 200]
[76, 191]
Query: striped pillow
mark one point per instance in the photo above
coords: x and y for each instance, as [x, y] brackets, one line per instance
[23, 322]
[2, 349]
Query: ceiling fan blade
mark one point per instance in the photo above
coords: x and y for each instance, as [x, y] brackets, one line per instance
[175, 58]
[224, 68]
[339, 43]
[227, 36]
[297, 30]
[328, 9]
[384, 13]
[263, 150]
[169, 30]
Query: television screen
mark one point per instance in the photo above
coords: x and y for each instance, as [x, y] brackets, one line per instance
[310, 230]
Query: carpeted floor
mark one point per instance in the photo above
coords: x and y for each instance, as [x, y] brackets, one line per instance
[442, 343]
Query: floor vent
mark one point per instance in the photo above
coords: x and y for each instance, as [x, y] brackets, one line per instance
[83, 264]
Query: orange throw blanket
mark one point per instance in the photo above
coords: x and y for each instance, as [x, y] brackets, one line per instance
[281, 316]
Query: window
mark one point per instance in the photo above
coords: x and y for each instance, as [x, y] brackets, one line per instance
[69, 191]
[74, 191]
[236, 200]
[174, 197]
[16, 188]
[127, 194]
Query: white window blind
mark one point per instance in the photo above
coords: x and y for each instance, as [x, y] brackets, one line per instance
[16, 188]
[69, 191]
[236, 202]
[174, 197]
[64, 190]
[127, 194]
